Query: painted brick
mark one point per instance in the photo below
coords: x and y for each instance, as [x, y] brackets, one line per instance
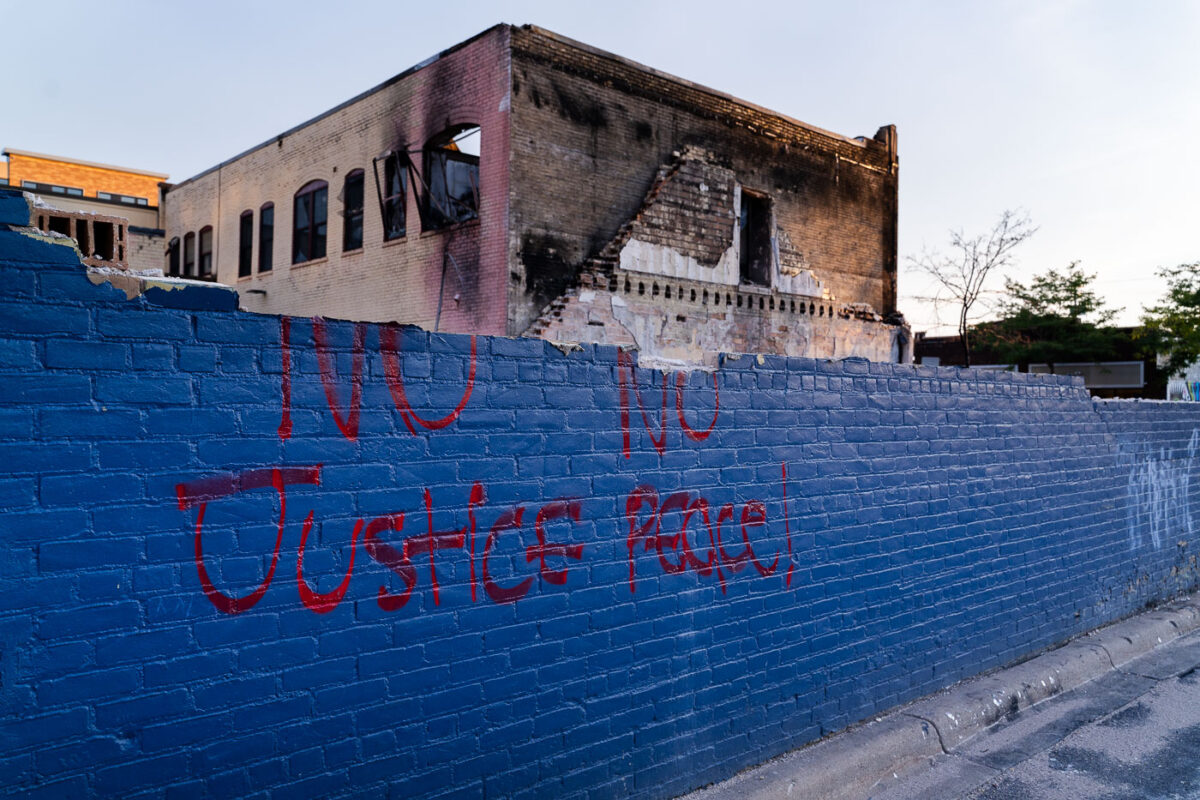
[1001, 502]
[88, 553]
[37, 319]
[44, 388]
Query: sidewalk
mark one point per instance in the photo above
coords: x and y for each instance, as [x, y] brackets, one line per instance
[930, 747]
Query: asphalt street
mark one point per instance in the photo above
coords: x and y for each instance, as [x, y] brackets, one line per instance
[1131, 734]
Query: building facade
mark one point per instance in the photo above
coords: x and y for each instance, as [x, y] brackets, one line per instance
[111, 211]
[522, 183]
[1126, 371]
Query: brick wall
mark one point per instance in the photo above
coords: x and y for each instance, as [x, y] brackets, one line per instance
[398, 280]
[669, 284]
[590, 130]
[485, 566]
[91, 178]
[146, 249]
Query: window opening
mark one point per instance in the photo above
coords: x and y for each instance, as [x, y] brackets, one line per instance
[266, 236]
[61, 225]
[82, 237]
[245, 244]
[392, 191]
[206, 254]
[309, 222]
[352, 211]
[755, 256]
[173, 256]
[105, 242]
[189, 255]
[451, 181]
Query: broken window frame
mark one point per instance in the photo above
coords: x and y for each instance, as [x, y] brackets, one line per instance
[246, 244]
[756, 260]
[392, 205]
[440, 209]
[309, 238]
[189, 255]
[204, 252]
[353, 197]
[266, 236]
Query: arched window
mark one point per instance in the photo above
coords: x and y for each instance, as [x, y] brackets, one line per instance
[352, 211]
[206, 252]
[173, 256]
[452, 176]
[266, 236]
[308, 222]
[246, 244]
[189, 255]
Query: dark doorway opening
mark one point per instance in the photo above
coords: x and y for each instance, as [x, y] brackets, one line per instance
[755, 218]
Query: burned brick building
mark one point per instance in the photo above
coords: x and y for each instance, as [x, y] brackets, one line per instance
[521, 183]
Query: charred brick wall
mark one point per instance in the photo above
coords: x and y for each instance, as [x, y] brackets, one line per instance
[670, 285]
[398, 280]
[243, 554]
[590, 131]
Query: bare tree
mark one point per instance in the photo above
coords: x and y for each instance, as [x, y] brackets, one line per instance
[960, 274]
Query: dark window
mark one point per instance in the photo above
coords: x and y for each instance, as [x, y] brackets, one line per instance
[51, 187]
[105, 241]
[266, 236]
[395, 186]
[452, 176]
[81, 236]
[352, 211]
[308, 222]
[246, 244]
[755, 242]
[61, 225]
[111, 197]
[189, 255]
[206, 251]
[173, 257]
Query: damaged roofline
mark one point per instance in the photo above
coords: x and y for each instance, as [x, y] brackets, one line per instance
[401, 76]
[860, 142]
[596, 51]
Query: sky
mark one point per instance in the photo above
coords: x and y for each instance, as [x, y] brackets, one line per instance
[1085, 115]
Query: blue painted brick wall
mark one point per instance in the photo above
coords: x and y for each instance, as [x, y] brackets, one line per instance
[628, 604]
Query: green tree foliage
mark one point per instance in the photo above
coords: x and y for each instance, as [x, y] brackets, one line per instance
[1057, 318]
[1173, 326]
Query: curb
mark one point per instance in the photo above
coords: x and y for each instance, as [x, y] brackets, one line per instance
[854, 763]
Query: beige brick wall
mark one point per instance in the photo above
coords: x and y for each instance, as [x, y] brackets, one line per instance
[145, 251]
[393, 281]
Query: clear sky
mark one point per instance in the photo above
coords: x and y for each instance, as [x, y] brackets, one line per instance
[1085, 114]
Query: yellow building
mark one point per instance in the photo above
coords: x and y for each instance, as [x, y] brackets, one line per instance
[109, 193]
[57, 176]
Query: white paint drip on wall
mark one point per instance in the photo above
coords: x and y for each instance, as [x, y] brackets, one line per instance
[1158, 493]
